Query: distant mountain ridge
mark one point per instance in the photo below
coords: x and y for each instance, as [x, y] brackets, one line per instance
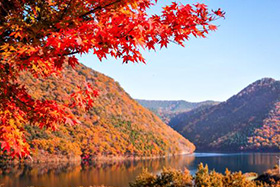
[117, 126]
[167, 109]
[248, 121]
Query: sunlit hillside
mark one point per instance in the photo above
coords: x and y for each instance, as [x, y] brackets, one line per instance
[116, 125]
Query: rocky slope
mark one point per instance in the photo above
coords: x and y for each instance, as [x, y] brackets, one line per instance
[248, 121]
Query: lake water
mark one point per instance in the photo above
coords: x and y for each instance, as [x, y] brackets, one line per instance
[120, 173]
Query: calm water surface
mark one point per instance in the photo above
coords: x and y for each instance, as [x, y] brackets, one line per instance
[120, 173]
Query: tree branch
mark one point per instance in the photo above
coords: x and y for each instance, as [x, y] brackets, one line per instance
[99, 8]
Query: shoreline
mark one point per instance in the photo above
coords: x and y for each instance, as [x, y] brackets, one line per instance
[123, 158]
[56, 159]
[51, 159]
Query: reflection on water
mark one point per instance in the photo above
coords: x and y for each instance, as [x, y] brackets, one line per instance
[245, 162]
[120, 173]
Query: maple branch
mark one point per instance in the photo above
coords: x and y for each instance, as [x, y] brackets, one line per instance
[71, 53]
[65, 10]
[99, 8]
[23, 103]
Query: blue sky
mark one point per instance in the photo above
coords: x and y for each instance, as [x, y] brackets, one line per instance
[244, 49]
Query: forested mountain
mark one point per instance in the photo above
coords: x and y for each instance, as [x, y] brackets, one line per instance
[168, 109]
[116, 125]
[248, 121]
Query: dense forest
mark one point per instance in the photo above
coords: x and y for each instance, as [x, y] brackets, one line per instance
[116, 125]
[248, 121]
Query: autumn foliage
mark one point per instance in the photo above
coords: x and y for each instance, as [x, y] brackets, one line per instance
[116, 126]
[41, 36]
[202, 178]
[268, 135]
[248, 121]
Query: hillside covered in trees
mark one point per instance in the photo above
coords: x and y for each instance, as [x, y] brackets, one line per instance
[116, 125]
[248, 121]
[168, 109]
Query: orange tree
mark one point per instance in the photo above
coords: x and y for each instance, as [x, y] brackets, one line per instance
[40, 36]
